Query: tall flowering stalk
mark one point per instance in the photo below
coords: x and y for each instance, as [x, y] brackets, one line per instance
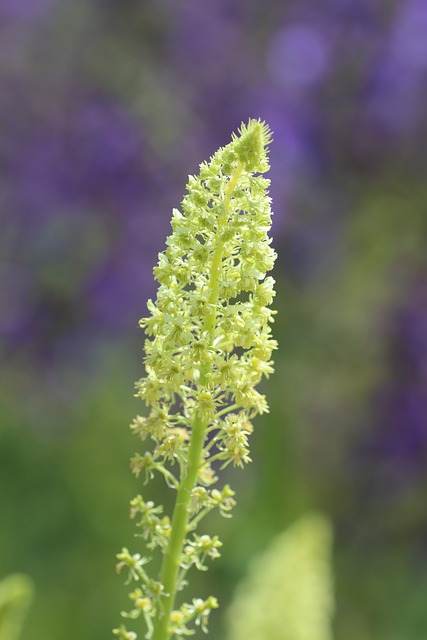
[208, 345]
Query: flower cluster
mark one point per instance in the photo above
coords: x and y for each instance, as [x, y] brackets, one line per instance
[208, 345]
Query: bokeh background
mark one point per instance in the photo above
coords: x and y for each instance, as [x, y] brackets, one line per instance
[105, 108]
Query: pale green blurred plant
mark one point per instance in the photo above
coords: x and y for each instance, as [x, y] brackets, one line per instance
[288, 592]
[16, 594]
[209, 344]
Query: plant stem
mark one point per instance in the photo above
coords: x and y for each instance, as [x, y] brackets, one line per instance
[172, 558]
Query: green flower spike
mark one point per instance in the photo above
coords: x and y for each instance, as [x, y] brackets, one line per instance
[288, 593]
[208, 345]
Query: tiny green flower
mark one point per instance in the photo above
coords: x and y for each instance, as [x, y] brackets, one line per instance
[134, 564]
[124, 634]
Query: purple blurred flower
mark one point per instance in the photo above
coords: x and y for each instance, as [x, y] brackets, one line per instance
[37, 171]
[404, 416]
[359, 21]
[397, 81]
[408, 354]
[104, 151]
[395, 96]
[25, 10]
[409, 36]
[402, 403]
[203, 33]
[16, 297]
[298, 57]
[71, 186]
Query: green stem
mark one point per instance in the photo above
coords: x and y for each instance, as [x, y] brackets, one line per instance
[172, 558]
[228, 409]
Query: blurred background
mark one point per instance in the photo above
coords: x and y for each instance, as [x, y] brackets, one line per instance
[105, 108]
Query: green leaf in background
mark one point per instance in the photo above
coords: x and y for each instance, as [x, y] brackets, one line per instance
[16, 593]
[288, 593]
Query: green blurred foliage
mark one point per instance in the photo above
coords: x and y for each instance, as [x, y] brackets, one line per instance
[288, 592]
[64, 496]
[16, 593]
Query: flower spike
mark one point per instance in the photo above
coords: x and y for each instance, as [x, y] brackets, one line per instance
[208, 344]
